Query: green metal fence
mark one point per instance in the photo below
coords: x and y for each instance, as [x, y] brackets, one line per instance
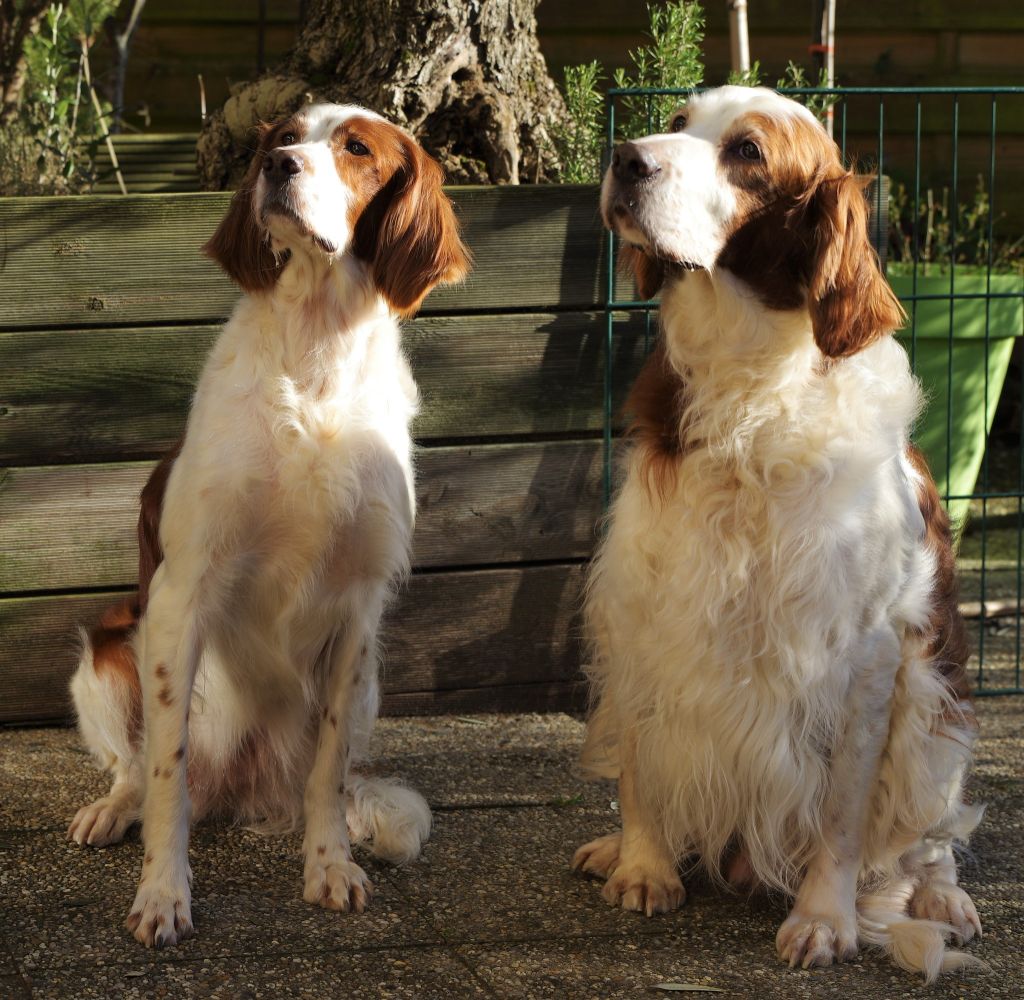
[957, 268]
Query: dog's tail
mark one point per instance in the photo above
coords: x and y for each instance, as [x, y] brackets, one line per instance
[914, 944]
[393, 821]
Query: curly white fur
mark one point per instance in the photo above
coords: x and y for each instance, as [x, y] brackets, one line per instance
[759, 624]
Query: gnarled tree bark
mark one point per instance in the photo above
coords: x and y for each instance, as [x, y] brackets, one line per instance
[465, 76]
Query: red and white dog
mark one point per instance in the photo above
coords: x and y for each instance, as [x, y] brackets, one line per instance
[270, 541]
[778, 668]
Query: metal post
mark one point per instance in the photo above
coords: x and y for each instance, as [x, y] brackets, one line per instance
[739, 42]
[823, 48]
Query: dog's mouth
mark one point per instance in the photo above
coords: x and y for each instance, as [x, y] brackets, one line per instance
[668, 261]
[620, 218]
[277, 204]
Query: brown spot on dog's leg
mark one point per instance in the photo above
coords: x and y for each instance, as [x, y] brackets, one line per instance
[147, 860]
[323, 714]
[334, 722]
[179, 753]
[321, 849]
[164, 696]
[156, 772]
[161, 670]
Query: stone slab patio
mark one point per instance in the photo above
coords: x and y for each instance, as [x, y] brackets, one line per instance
[490, 910]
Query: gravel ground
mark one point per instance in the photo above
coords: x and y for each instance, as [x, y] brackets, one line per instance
[491, 909]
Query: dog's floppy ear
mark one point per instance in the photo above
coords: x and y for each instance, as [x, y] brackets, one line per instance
[648, 272]
[850, 303]
[238, 244]
[409, 235]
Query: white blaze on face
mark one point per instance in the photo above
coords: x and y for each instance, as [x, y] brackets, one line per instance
[318, 197]
[686, 211]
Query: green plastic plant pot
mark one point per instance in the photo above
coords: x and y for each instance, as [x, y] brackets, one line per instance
[954, 427]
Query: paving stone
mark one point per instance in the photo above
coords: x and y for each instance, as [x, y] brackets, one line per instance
[14, 988]
[723, 954]
[413, 974]
[504, 874]
[66, 904]
[45, 776]
[493, 892]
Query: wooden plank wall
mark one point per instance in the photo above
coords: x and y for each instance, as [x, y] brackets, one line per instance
[108, 311]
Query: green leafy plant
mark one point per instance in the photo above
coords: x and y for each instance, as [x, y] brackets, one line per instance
[794, 76]
[746, 77]
[671, 61]
[51, 140]
[935, 237]
[580, 137]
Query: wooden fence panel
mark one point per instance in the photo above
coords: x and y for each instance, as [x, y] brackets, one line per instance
[111, 260]
[86, 394]
[486, 639]
[73, 527]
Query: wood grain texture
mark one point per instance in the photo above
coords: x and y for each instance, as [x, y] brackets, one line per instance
[121, 260]
[73, 527]
[87, 394]
[477, 631]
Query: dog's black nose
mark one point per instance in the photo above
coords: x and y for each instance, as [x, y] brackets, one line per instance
[279, 165]
[631, 162]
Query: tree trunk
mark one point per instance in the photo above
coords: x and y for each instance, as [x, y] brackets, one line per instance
[466, 77]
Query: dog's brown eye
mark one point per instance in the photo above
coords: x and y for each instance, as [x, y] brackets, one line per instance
[356, 148]
[288, 139]
[677, 124]
[749, 151]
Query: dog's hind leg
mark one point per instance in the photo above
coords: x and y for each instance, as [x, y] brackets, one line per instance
[938, 897]
[108, 703]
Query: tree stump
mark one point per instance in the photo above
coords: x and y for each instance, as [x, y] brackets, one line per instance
[466, 77]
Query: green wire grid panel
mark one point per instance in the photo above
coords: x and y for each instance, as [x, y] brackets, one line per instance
[947, 214]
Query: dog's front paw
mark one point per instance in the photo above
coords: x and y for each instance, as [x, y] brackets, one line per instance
[600, 857]
[817, 939]
[104, 821]
[337, 884]
[161, 915]
[634, 887]
[948, 904]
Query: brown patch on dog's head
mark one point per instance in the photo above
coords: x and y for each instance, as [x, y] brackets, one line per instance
[406, 230]
[800, 234]
[239, 244]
